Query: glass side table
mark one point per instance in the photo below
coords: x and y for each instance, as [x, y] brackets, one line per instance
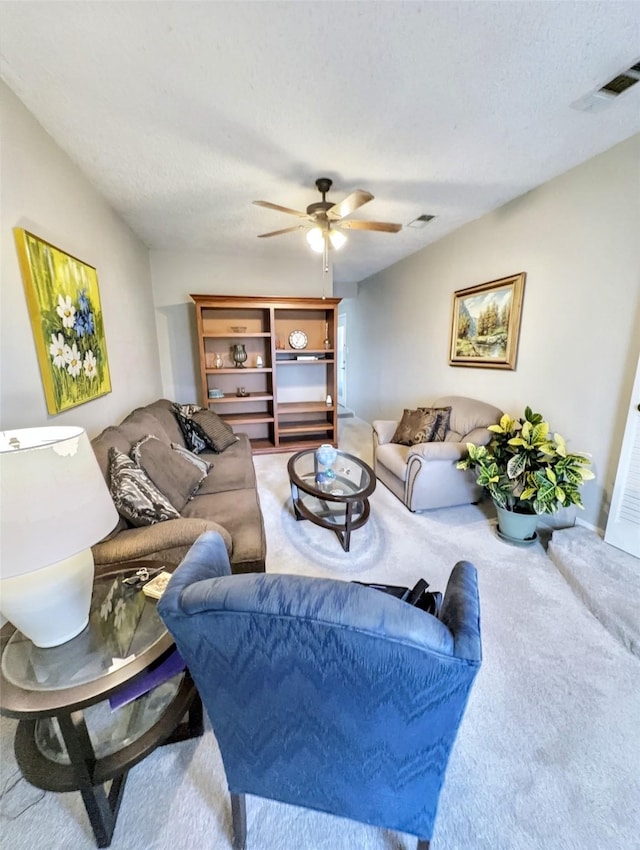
[68, 737]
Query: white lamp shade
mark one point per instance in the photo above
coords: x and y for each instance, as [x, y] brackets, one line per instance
[337, 238]
[315, 238]
[54, 502]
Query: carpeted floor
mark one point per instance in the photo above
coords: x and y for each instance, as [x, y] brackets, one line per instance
[548, 751]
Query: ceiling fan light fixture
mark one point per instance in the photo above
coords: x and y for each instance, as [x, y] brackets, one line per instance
[315, 238]
[337, 239]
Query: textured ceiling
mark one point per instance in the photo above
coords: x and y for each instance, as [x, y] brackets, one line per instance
[182, 113]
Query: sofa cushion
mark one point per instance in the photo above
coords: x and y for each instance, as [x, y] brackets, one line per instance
[232, 470]
[467, 414]
[239, 512]
[192, 438]
[416, 426]
[135, 496]
[175, 476]
[443, 415]
[164, 412]
[197, 460]
[214, 430]
[111, 437]
[139, 423]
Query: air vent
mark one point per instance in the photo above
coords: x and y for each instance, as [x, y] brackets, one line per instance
[619, 84]
[421, 221]
[603, 97]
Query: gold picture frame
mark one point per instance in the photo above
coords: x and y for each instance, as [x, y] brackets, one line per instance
[66, 319]
[485, 324]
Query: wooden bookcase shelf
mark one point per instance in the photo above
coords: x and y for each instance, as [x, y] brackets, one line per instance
[282, 410]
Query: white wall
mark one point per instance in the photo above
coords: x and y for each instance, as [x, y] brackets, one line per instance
[176, 275]
[578, 239]
[44, 192]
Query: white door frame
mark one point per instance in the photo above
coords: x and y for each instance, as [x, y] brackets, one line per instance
[341, 358]
[623, 525]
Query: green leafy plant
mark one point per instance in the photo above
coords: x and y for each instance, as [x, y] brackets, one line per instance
[527, 469]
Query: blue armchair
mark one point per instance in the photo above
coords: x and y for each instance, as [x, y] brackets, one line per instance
[326, 694]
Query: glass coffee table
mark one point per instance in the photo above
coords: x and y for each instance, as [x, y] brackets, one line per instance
[340, 503]
[74, 733]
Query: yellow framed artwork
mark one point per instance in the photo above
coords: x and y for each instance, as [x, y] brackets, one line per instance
[66, 319]
[486, 323]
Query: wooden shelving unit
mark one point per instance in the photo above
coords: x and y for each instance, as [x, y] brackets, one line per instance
[284, 403]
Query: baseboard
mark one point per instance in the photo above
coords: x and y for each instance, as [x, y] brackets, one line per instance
[590, 526]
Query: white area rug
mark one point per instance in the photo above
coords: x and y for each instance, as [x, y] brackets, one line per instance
[548, 752]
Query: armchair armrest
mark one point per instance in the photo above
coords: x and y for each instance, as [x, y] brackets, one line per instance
[384, 429]
[206, 559]
[438, 451]
[461, 612]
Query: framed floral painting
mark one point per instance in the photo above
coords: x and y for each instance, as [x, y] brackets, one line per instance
[486, 323]
[66, 319]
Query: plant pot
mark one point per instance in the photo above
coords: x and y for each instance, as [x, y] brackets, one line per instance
[517, 526]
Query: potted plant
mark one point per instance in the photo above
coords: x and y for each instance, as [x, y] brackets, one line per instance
[527, 471]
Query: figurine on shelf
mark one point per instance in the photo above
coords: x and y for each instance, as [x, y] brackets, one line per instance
[218, 362]
[259, 361]
[326, 344]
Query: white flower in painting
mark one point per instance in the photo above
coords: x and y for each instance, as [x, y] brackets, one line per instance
[89, 365]
[66, 311]
[73, 360]
[56, 350]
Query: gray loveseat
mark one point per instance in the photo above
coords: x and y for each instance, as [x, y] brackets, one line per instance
[226, 501]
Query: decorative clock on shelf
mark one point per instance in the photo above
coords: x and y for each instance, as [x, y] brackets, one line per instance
[298, 340]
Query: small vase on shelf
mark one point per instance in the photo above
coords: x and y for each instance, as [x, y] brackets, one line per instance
[218, 362]
[239, 355]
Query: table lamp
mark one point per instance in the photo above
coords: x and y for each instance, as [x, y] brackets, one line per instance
[54, 505]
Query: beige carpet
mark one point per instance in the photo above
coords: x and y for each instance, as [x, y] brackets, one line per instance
[548, 751]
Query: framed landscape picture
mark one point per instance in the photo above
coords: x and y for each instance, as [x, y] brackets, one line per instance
[66, 320]
[486, 323]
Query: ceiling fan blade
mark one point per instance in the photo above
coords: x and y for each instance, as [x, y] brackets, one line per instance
[354, 224]
[278, 232]
[277, 207]
[349, 204]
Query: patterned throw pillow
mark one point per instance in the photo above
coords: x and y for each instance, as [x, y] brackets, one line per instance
[214, 430]
[203, 465]
[192, 437]
[135, 496]
[170, 471]
[415, 427]
[442, 424]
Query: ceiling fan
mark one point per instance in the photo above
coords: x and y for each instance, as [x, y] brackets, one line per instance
[326, 220]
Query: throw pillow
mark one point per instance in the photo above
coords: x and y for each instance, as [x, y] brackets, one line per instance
[135, 496]
[171, 472]
[415, 427]
[442, 423]
[203, 465]
[214, 430]
[191, 434]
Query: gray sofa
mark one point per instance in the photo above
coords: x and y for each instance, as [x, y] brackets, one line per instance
[424, 476]
[226, 501]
